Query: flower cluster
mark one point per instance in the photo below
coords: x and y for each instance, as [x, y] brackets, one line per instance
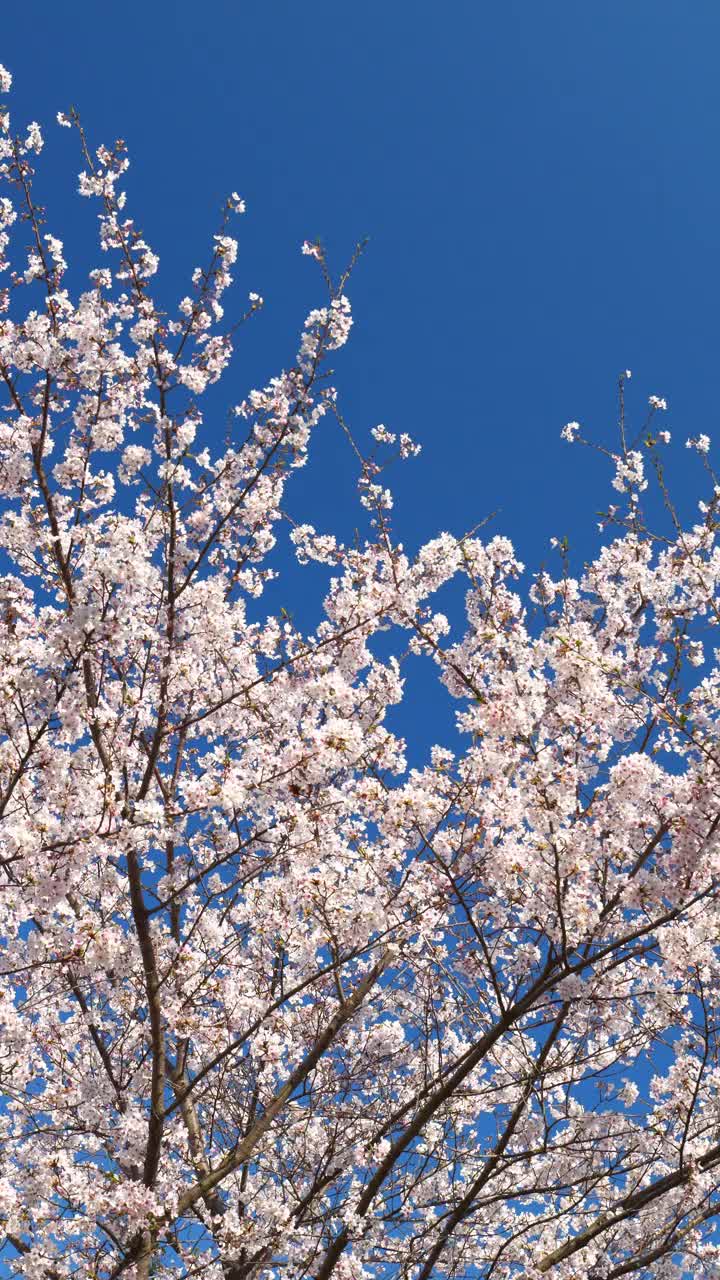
[280, 993]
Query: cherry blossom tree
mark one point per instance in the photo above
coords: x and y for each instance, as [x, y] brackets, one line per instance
[273, 1003]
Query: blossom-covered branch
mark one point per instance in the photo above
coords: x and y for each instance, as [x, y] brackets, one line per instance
[275, 1004]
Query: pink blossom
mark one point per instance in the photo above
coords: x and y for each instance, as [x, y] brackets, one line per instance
[282, 993]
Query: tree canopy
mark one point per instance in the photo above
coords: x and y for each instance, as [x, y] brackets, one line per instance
[275, 1004]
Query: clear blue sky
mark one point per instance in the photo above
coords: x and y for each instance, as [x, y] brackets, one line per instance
[539, 182]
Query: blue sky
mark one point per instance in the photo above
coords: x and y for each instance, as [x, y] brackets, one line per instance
[539, 182]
